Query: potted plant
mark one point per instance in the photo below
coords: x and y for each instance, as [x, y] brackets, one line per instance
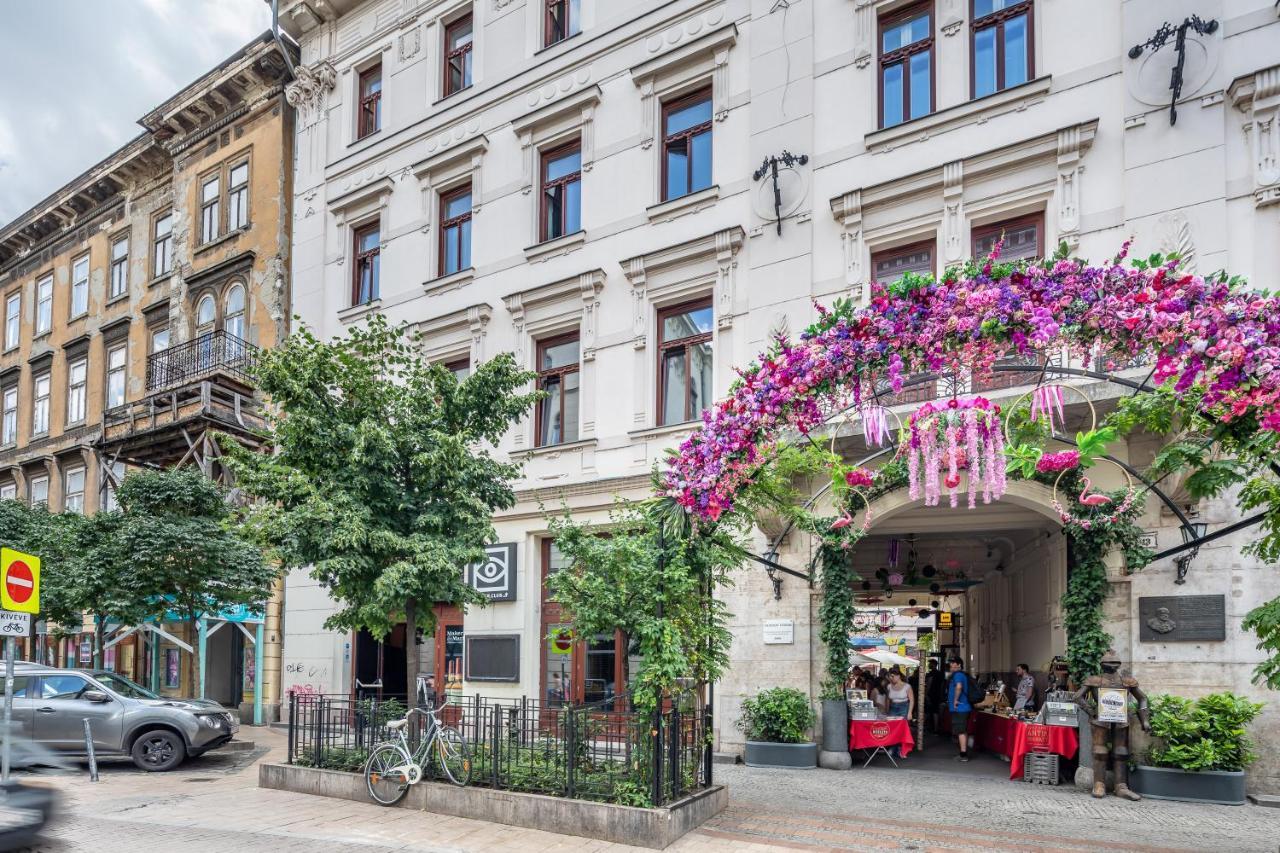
[1200, 751]
[777, 724]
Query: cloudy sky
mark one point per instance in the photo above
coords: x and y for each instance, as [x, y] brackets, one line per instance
[76, 75]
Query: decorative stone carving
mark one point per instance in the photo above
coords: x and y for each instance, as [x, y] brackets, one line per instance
[848, 211]
[727, 244]
[953, 211]
[1258, 97]
[306, 93]
[952, 17]
[864, 26]
[1070, 168]
[1173, 230]
[410, 44]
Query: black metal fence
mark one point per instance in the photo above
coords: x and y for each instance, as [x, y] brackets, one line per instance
[200, 356]
[588, 752]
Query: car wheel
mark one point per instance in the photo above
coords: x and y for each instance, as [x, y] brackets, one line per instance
[158, 750]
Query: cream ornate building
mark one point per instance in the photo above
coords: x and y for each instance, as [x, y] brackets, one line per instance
[576, 181]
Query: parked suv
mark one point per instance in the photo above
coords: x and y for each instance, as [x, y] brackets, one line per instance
[50, 706]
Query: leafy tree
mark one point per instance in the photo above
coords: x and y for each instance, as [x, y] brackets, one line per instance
[174, 533]
[53, 538]
[383, 481]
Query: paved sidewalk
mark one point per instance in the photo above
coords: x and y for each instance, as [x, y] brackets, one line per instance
[214, 804]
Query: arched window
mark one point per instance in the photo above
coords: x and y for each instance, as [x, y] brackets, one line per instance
[206, 314]
[234, 322]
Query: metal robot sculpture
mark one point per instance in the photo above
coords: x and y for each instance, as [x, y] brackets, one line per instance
[1106, 699]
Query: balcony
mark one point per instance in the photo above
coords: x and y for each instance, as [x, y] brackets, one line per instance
[210, 353]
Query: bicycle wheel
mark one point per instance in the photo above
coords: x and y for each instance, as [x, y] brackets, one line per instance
[455, 755]
[385, 775]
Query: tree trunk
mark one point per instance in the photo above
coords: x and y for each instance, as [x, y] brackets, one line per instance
[193, 659]
[98, 636]
[411, 651]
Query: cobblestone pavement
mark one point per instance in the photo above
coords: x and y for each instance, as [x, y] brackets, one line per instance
[214, 804]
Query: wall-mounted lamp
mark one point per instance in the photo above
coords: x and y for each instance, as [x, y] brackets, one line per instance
[1191, 532]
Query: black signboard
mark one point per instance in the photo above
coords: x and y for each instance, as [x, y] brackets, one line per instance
[495, 578]
[1182, 618]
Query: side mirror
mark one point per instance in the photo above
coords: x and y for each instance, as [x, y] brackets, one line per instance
[95, 696]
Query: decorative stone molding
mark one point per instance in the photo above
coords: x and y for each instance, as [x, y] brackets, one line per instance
[549, 305]
[376, 193]
[450, 335]
[452, 161]
[847, 209]
[681, 271]
[1173, 231]
[410, 44]
[1258, 96]
[688, 60]
[1070, 170]
[307, 90]
[953, 211]
[555, 120]
[951, 16]
[864, 32]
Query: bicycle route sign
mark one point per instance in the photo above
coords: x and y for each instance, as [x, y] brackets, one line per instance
[15, 624]
[19, 581]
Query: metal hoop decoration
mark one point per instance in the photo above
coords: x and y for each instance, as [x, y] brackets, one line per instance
[1093, 413]
[1088, 523]
[846, 417]
[845, 520]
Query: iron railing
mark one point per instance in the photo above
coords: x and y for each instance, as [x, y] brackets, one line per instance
[587, 752]
[204, 354]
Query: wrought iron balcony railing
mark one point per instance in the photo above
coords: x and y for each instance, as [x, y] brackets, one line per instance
[212, 352]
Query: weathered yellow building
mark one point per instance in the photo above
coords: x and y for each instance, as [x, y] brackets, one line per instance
[133, 299]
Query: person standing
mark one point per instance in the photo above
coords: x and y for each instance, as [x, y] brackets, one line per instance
[934, 690]
[959, 707]
[1024, 698]
[902, 702]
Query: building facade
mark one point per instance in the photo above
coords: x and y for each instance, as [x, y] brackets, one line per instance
[588, 185]
[134, 297]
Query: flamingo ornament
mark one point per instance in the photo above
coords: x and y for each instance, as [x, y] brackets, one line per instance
[1092, 500]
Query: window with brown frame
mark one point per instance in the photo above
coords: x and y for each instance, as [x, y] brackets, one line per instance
[459, 367]
[1023, 238]
[370, 117]
[686, 144]
[455, 230]
[561, 200]
[1001, 45]
[563, 19]
[458, 42]
[906, 64]
[685, 377]
[558, 366]
[890, 265]
[210, 208]
[365, 251]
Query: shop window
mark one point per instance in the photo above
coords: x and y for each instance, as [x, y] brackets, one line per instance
[561, 211]
[238, 197]
[455, 230]
[458, 44]
[162, 245]
[77, 378]
[906, 65]
[558, 377]
[454, 652]
[119, 267]
[370, 120]
[686, 145]
[1001, 47]
[564, 19]
[364, 283]
[493, 658]
[684, 362]
[1023, 238]
[80, 286]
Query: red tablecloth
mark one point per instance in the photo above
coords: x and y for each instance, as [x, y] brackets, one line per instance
[869, 734]
[1015, 738]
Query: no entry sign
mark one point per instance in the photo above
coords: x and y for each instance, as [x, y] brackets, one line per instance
[19, 581]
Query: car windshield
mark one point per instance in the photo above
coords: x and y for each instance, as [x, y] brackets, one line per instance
[123, 686]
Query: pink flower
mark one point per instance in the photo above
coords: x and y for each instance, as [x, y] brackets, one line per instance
[859, 477]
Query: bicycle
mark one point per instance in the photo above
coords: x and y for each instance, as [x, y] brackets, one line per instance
[393, 766]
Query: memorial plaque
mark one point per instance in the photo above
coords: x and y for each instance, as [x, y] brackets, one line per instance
[1182, 618]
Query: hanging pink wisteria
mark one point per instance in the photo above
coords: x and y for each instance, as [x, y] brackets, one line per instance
[947, 437]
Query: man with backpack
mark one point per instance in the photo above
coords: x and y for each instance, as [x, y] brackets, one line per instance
[959, 702]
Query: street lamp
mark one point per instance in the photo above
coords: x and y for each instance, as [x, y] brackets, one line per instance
[1192, 531]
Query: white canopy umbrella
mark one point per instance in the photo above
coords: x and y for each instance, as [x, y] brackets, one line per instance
[884, 657]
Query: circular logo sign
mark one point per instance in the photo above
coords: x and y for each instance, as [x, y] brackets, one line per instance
[19, 582]
[880, 731]
[562, 641]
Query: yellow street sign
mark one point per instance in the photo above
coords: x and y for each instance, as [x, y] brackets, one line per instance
[944, 619]
[19, 581]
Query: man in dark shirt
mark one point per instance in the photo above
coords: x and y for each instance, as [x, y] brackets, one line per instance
[934, 691]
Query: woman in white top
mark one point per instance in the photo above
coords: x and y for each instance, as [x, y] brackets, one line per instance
[902, 701]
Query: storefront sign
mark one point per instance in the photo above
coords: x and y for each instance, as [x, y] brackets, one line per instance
[1113, 705]
[779, 632]
[495, 578]
[944, 618]
[1182, 618]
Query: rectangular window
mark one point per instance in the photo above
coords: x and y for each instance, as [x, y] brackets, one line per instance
[116, 375]
[9, 433]
[493, 658]
[686, 145]
[9, 492]
[44, 305]
[370, 118]
[364, 283]
[564, 19]
[561, 191]
[40, 491]
[162, 245]
[457, 55]
[119, 267]
[684, 362]
[891, 265]
[73, 490]
[1002, 50]
[906, 65]
[40, 411]
[238, 197]
[558, 377]
[210, 208]
[77, 375]
[159, 339]
[455, 230]
[12, 320]
[80, 286]
[107, 498]
[460, 368]
[1023, 238]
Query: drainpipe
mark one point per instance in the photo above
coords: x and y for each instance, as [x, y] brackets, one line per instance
[275, 32]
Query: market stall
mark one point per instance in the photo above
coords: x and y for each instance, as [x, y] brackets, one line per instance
[1014, 737]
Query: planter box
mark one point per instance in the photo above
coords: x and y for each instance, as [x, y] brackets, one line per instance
[654, 828]
[792, 755]
[1224, 787]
